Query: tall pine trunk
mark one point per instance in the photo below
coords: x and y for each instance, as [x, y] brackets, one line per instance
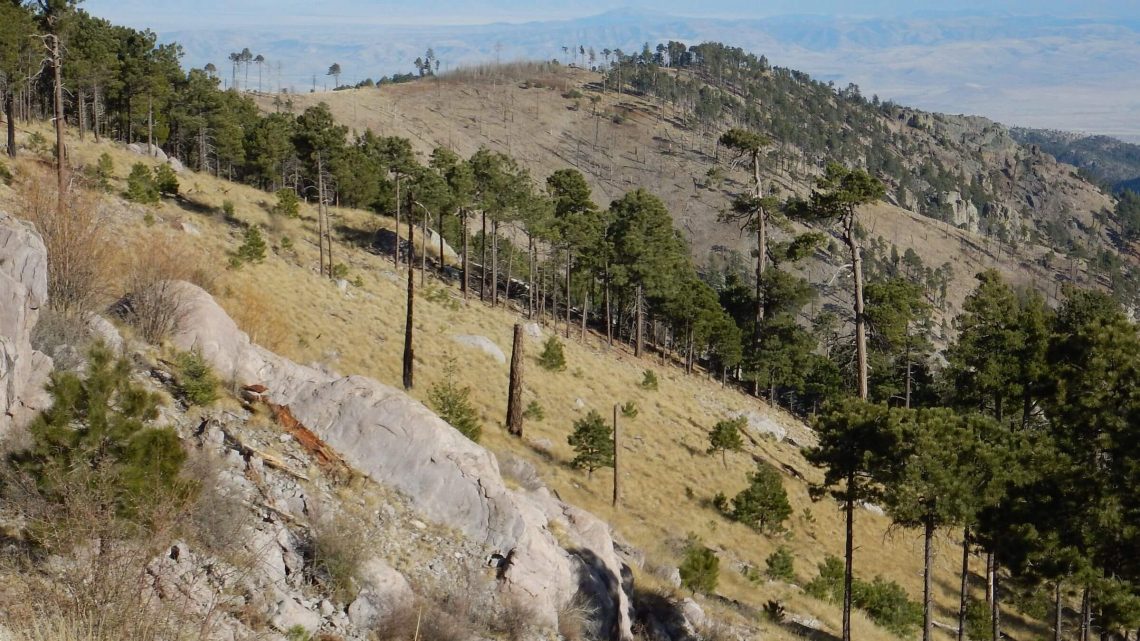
[964, 593]
[483, 263]
[639, 331]
[494, 263]
[81, 97]
[409, 352]
[60, 149]
[515, 389]
[396, 256]
[927, 580]
[466, 264]
[860, 319]
[568, 262]
[848, 553]
[10, 116]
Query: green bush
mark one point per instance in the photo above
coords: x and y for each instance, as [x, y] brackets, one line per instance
[5, 174]
[763, 505]
[979, 626]
[720, 502]
[552, 358]
[725, 437]
[781, 565]
[195, 379]
[288, 204]
[140, 185]
[700, 567]
[165, 180]
[340, 270]
[649, 380]
[99, 423]
[828, 586]
[886, 603]
[453, 404]
[593, 442]
[228, 208]
[534, 411]
[629, 410]
[252, 249]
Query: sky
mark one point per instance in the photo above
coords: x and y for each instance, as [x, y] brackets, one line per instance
[168, 15]
[1071, 66]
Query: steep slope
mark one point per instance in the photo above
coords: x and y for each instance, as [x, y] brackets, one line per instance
[1014, 206]
[668, 480]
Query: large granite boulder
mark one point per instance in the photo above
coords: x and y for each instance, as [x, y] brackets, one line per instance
[398, 442]
[23, 291]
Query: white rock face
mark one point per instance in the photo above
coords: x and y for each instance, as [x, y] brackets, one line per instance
[762, 424]
[383, 592]
[483, 344]
[400, 443]
[23, 291]
[449, 254]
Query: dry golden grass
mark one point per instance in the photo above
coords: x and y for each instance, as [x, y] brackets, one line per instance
[305, 317]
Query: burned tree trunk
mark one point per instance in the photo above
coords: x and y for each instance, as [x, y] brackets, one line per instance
[515, 391]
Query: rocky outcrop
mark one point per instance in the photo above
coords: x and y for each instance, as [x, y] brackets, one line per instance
[398, 442]
[23, 291]
[483, 344]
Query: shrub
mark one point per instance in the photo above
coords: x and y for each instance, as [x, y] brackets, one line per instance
[298, 633]
[629, 410]
[228, 208]
[340, 270]
[155, 306]
[104, 171]
[593, 442]
[700, 567]
[763, 505]
[141, 187]
[720, 502]
[339, 548]
[774, 611]
[534, 412]
[828, 586]
[196, 381]
[288, 204]
[725, 437]
[5, 174]
[649, 380]
[77, 243]
[781, 565]
[978, 624]
[165, 180]
[101, 421]
[886, 603]
[552, 358]
[252, 249]
[453, 404]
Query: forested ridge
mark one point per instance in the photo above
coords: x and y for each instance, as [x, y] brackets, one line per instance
[1019, 429]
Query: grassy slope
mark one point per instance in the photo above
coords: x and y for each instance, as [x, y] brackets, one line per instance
[285, 305]
[543, 130]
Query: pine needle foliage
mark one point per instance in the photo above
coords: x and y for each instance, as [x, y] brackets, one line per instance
[553, 358]
[593, 442]
[700, 568]
[453, 404]
[103, 421]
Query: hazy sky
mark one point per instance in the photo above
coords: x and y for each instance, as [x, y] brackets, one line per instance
[169, 15]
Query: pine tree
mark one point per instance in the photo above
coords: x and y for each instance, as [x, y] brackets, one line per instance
[552, 358]
[856, 447]
[700, 568]
[592, 440]
[836, 201]
[763, 505]
[102, 423]
[140, 185]
[725, 437]
[252, 249]
[453, 404]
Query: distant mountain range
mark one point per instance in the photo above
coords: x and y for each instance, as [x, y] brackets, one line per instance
[1057, 73]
